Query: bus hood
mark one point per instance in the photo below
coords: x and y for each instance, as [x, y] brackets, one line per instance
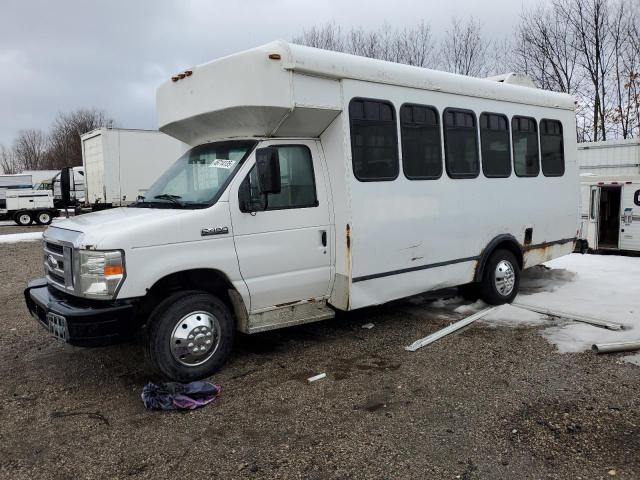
[123, 228]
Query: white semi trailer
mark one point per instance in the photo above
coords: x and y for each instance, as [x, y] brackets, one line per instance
[317, 181]
[121, 164]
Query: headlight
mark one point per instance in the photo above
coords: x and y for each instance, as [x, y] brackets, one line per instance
[99, 274]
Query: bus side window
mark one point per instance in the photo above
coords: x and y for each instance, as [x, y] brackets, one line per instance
[374, 140]
[494, 144]
[421, 145]
[526, 162]
[552, 148]
[461, 143]
[592, 203]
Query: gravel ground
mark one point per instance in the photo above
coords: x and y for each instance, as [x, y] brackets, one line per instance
[486, 403]
[9, 229]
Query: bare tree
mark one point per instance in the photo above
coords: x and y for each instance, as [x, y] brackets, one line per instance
[545, 49]
[30, 149]
[464, 49]
[411, 46]
[590, 21]
[327, 37]
[7, 161]
[65, 149]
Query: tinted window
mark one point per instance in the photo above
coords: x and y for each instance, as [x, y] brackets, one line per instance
[494, 144]
[296, 177]
[421, 150]
[460, 143]
[374, 140]
[525, 146]
[552, 148]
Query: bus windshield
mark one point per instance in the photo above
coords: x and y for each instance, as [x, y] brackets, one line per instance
[199, 177]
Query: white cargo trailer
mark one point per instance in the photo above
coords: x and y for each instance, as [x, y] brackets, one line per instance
[317, 182]
[610, 157]
[610, 211]
[121, 164]
[609, 195]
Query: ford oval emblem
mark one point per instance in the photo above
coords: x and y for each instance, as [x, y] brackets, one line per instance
[53, 263]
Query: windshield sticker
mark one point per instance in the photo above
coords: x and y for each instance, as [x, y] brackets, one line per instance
[220, 163]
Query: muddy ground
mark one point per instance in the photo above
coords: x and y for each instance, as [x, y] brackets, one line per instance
[487, 403]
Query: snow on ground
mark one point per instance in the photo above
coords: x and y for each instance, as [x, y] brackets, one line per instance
[20, 237]
[605, 287]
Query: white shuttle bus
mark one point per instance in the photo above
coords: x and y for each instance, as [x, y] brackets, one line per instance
[317, 181]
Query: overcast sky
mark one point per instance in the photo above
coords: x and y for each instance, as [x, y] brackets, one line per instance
[112, 54]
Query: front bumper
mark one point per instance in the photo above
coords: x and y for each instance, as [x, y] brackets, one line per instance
[79, 322]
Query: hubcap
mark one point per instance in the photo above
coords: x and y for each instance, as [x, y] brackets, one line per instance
[44, 218]
[505, 278]
[195, 338]
[25, 219]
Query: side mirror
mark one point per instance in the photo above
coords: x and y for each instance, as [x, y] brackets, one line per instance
[268, 165]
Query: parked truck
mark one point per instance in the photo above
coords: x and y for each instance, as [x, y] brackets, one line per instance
[317, 182]
[121, 164]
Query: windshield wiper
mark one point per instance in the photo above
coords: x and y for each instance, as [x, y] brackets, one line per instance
[171, 198]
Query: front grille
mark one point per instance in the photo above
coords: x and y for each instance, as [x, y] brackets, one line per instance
[58, 265]
[54, 248]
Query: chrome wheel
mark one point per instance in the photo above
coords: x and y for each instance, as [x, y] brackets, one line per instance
[44, 218]
[195, 338]
[504, 278]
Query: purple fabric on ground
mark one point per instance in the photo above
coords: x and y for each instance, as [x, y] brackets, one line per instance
[179, 396]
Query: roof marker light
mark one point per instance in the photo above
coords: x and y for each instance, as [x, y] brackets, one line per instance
[175, 78]
[188, 73]
[274, 56]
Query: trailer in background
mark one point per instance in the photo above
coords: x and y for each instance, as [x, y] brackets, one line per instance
[9, 182]
[121, 164]
[19, 202]
[611, 157]
[610, 195]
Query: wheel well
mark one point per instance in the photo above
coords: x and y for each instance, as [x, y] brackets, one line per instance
[205, 279]
[505, 242]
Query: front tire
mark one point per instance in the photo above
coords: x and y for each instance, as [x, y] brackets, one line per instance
[189, 336]
[23, 219]
[500, 279]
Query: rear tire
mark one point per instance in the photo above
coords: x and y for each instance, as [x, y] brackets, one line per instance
[189, 336]
[44, 218]
[501, 278]
[23, 218]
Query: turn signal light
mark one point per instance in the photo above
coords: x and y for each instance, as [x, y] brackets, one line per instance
[112, 270]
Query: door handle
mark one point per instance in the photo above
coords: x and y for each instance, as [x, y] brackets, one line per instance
[323, 238]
